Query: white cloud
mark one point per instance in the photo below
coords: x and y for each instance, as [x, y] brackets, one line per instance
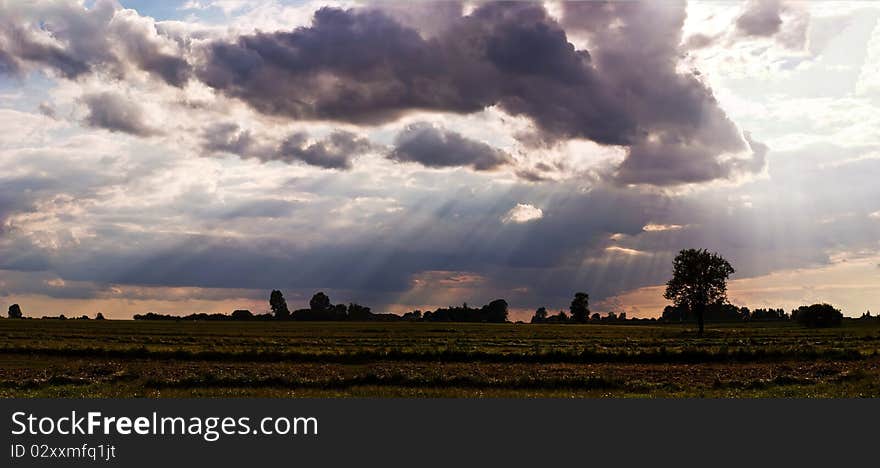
[522, 213]
[869, 78]
[651, 227]
[624, 250]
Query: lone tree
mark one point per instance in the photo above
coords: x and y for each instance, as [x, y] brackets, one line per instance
[496, 311]
[540, 315]
[580, 307]
[699, 278]
[278, 305]
[320, 302]
[14, 311]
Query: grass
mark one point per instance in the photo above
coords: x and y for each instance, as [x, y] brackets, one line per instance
[47, 358]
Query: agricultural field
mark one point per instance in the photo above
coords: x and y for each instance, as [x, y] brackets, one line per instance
[79, 358]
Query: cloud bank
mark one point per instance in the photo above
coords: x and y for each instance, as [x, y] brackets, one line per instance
[524, 150]
[368, 66]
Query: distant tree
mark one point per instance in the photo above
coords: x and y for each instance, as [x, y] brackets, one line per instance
[320, 302]
[560, 317]
[622, 316]
[415, 315]
[580, 307]
[674, 314]
[242, 314]
[84, 317]
[595, 317]
[359, 313]
[278, 305]
[818, 315]
[99, 316]
[337, 312]
[14, 311]
[496, 311]
[540, 315]
[766, 314]
[321, 309]
[699, 278]
[724, 312]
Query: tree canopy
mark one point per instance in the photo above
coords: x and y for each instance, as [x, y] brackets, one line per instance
[580, 310]
[278, 305]
[699, 278]
[320, 302]
[818, 315]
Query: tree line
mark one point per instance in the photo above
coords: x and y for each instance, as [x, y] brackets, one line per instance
[493, 312]
[14, 312]
[320, 309]
[697, 289]
[815, 315]
[323, 310]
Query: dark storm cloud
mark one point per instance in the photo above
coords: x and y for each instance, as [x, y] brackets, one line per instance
[764, 18]
[431, 146]
[429, 18]
[365, 67]
[18, 195]
[336, 151]
[229, 138]
[531, 175]
[146, 54]
[362, 66]
[116, 113]
[8, 63]
[73, 41]
[663, 162]
[369, 66]
[21, 44]
[683, 133]
[359, 66]
[760, 18]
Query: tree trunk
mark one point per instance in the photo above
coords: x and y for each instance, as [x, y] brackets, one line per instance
[700, 309]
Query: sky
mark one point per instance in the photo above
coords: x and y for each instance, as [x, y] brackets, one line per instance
[191, 156]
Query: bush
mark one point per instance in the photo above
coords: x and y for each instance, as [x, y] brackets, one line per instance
[242, 314]
[818, 315]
